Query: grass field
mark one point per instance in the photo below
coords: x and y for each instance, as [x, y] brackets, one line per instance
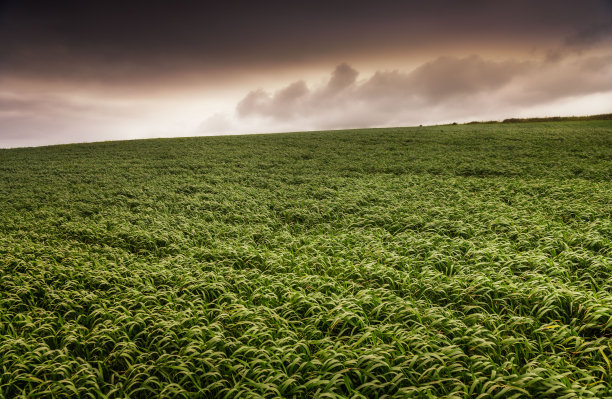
[442, 261]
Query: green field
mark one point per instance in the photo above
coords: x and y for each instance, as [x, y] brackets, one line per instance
[441, 261]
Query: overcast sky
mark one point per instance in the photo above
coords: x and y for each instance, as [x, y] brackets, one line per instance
[74, 71]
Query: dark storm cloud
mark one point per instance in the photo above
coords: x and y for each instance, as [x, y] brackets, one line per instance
[590, 35]
[447, 85]
[129, 41]
[581, 40]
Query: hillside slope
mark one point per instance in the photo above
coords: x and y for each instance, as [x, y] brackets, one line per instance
[442, 261]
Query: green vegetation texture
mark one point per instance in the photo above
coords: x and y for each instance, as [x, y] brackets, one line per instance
[444, 261]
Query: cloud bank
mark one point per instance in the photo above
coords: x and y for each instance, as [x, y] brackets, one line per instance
[137, 42]
[439, 90]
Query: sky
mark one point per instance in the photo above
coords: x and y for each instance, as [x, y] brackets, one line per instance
[81, 71]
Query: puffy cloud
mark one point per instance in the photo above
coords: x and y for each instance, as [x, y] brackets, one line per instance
[284, 104]
[439, 90]
[449, 76]
[343, 76]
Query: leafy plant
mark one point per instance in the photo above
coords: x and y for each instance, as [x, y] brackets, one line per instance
[449, 261]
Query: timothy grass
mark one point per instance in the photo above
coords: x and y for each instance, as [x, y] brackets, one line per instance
[449, 261]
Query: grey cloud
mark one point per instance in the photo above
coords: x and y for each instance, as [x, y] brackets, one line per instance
[343, 76]
[596, 64]
[567, 78]
[283, 104]
[580, 40]
[450, 76]
[149, 41]
[446, 87]
[291, 93]
[589, 35]
[256, 102]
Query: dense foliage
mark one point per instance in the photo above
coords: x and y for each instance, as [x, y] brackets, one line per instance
[445, 261]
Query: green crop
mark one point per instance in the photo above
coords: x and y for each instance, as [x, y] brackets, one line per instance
[445, 261]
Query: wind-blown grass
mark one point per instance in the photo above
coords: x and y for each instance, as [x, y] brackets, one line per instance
[453, 261]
